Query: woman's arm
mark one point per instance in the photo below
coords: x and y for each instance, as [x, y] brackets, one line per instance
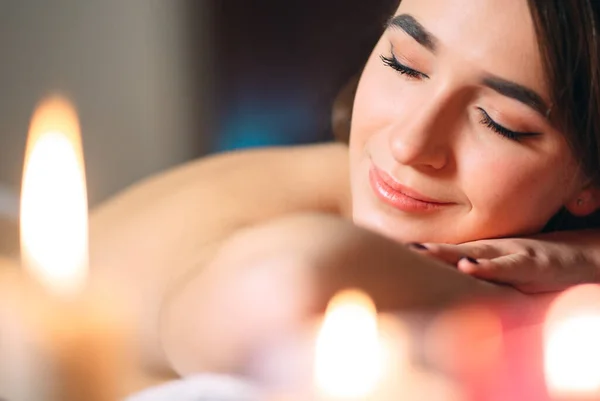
[156, 231]
[270, 278]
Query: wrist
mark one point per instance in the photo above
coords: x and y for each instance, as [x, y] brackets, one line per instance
[584, 245]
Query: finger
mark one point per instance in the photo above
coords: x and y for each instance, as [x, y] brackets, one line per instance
[515, 269]
[452, 254]
[446, 253]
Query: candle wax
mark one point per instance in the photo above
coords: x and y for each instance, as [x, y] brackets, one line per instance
[57, 349]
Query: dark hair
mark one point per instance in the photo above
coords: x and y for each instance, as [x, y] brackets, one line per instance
[568, 42]
[341, 112]
[341, 115]
[566, 32]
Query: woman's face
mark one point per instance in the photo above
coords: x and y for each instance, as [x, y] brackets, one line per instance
[450, 141]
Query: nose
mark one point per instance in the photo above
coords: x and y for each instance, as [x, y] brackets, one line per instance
[423, 139]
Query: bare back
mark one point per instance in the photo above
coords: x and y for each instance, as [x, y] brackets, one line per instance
[174, 222]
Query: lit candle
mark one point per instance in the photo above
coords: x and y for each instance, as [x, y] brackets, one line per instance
[360, 355]
[572, 345]
[60, 340]
[349, 356]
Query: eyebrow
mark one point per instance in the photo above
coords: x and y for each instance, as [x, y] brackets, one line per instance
[411, 26]
[518, 92]
[529, 97]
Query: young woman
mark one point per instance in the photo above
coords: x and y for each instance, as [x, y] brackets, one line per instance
[475, 138]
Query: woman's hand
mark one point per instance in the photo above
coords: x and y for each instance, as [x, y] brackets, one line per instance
[538, 264]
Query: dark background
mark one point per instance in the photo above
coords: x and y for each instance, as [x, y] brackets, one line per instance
[160, 83]
[280, 64]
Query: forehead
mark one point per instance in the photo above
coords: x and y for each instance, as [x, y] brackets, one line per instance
[495, 36]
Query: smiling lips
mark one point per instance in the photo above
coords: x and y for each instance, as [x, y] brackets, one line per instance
[399, 196]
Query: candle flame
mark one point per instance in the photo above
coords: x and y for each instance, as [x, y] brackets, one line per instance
[54, 222]
[349, 355]
[572, 345]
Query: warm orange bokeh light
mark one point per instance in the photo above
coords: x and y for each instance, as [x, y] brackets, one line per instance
[349, 355]
[54, 222]
[572, 344]
[466, 340]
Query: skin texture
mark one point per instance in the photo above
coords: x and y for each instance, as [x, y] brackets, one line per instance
[427, 132]
[150, 240]
[222, 255]
[266, 281]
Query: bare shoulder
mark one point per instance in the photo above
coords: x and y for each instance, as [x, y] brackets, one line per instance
[322, 156]
[280, 179]
[311, 175]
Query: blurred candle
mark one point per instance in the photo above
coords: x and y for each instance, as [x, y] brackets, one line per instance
[572, 345]
[54, 221]
[360, 355]
[348, 351]
[62, 341]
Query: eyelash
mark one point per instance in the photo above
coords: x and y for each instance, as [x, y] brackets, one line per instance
[486, 120]
[393, 63]
[497, 128]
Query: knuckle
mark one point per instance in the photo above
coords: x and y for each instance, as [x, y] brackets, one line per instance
[545, 259]
[488, 249]
[530, 251]
[483, 251]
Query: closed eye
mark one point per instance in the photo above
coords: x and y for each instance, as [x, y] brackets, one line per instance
[393, 63]
[499, 129]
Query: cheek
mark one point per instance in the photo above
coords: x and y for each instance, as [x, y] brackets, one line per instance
[367, 117]
[493, 182]
[514, 188]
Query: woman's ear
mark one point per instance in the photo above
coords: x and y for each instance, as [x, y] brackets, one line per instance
[586, 202]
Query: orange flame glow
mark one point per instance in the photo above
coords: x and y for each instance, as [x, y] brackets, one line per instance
[572, 345]
[349, 354]
[54, 222]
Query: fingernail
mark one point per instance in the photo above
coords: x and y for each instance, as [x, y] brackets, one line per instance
[471, 260]
[418, 246]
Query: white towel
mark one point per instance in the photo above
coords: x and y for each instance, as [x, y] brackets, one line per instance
[207, 387]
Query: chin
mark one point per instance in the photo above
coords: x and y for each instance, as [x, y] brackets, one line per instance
[400, 227]
[388, 227]
[405, 229]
